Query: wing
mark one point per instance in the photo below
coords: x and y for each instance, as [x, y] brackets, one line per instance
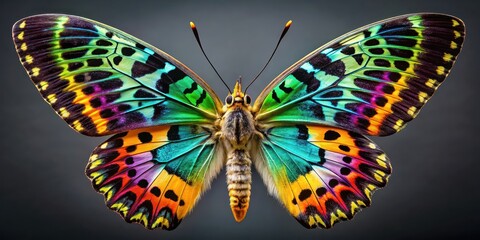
[101, 80]
[155, 176]
[372, 80]
[321, 174]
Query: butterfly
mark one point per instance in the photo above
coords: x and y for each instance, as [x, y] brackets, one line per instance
[305, 133]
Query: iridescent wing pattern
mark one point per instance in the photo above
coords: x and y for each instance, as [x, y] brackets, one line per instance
[154, 176]
[102, 81]
[371, 81]
[322, 174]
[306, 133]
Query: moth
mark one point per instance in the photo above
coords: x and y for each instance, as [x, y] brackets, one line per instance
[306, 133]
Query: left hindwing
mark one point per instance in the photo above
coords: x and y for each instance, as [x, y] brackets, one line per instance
[372, 80]
[321, 174]
[155, 176]
[101, 80]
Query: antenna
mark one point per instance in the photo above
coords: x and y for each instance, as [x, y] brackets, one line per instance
[195, 32]
[287, 26]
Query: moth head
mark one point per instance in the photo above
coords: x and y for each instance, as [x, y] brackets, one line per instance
[238, 97]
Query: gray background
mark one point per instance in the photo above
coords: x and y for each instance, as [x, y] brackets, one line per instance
[432, 192]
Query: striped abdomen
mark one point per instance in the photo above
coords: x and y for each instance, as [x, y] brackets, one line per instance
[239, 179]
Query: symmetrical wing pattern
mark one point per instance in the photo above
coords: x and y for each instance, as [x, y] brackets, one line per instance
[307, 127]
[372, 80]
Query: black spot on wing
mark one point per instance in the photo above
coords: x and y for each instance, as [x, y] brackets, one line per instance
[94, 62]
[163, 85]
[320, 61]
[381, 101]
[99, 51]
[142, 183]
[66, 43]
[331, 135]
[344, 148]
[307, 78]
[155, 191]
[130, 149]
[191, 89]
[321, 155]
[376, 51]
[74, 66]
[170, 194]
[388, 89]
[95, 102]
[103, 43]
[369, 112]
[107, 113]
[132, 173]
[117, 60]
[285, 88]
[336, 68]
[403, 53]
[140, 69]
[347, 159]
[145, 137]
[88, 90]
[332, 183]
[320, 191]
[317, 111]
[345, 171]
[348, 50]
[158, 111]
[176, 75]
[275, 96]
[381, 63]
[110, 85]
[302, 132]
[332, 94]
[404, 42]
[155, 61]
[304, 194]
[402, 65]
[172, 133]
[358, 58]
[143, 94]
[201, 98]
[126, 51]
[372, 42]
[74, 54]
[129, 161]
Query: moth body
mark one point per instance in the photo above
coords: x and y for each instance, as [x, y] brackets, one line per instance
[237, 130]
[239, 179]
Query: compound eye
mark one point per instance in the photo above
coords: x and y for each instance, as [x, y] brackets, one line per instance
[247, 99]
[229, 100]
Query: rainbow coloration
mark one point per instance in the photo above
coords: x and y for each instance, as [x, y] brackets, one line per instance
[304, 133]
